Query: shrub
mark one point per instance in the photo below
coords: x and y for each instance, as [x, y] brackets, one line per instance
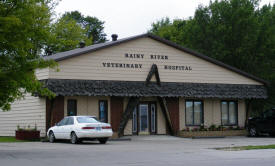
[202, 128]
[27, 129]
[195, 129]
[212, 127]
[220, 128]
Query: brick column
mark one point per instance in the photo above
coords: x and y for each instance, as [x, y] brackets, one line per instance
[57, 112]
[173, 109]
[116, 110]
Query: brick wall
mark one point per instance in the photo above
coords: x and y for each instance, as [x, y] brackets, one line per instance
[173, 108]
[116, 112]
[57, 111]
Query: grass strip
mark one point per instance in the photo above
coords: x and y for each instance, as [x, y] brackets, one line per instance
[10, 139]
[250, 147]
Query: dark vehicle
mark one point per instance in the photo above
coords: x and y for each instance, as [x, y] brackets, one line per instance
[263, 124]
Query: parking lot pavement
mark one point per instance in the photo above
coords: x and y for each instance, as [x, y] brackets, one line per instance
[141, 150]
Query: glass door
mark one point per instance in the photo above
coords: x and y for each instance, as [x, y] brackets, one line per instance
[143, 119]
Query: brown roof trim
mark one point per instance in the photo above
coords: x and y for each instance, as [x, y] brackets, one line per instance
[92, 48]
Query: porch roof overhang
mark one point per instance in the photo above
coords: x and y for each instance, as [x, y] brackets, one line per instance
[66, 87]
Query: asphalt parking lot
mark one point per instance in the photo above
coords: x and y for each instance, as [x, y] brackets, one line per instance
[142, 150]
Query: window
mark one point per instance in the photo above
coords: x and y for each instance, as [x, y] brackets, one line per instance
[70, 121]
[71, 107]
[229, 111]
[103, 111]
[86, 120]
[193, 112]
[62, 122]
[143, 118]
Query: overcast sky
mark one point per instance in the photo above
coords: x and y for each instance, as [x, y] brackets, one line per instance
[132, 17]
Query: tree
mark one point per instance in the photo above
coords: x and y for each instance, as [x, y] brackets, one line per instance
[71, 29]
[168, 29]
[93, 26]
[24, 28]
[236, 32]
[66, 35]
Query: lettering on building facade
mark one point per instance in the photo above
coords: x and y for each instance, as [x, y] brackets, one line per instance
[127, 55]
[121, 65]
[169, 67]
[159, 57]
[139, 66]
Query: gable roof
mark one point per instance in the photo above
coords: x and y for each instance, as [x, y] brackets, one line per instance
[79, 51]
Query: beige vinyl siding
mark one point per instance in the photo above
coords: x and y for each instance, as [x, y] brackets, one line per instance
[217, 112]
[208, 112]
[128, 128]
[161, 122]
[27, 111]
[241, 113]
[89, 66]
[87, 105]
[182, 113]
[42, 74]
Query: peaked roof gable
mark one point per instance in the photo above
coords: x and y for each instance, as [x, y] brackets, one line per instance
[79, 51]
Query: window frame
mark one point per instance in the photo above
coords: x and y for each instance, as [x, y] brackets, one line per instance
[202, 112]
[75, 107]
[106, 109]
[236, 111]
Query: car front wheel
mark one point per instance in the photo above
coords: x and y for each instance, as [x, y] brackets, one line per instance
[74, 139]
[253, 131]
[51, 137]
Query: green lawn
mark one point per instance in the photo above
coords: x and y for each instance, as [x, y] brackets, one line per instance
[250, 147]
[9, 139]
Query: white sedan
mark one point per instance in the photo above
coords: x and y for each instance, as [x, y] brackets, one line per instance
[78, 128]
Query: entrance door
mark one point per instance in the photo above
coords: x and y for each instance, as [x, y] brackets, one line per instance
[144, 119]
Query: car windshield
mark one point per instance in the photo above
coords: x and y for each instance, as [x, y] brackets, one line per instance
[86, 120]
